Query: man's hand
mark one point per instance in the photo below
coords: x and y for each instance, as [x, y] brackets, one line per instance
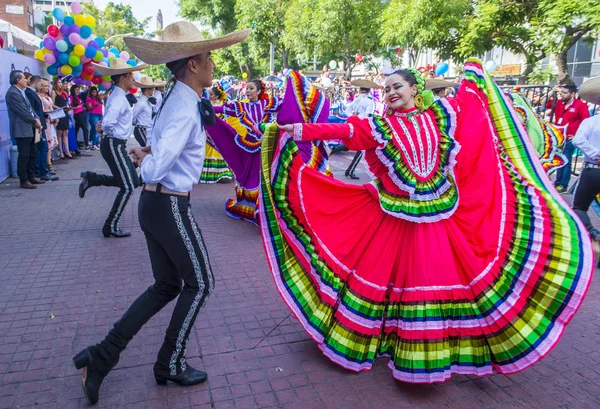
[138, 154]
[99, 128]
[38, 124]
[597, 159]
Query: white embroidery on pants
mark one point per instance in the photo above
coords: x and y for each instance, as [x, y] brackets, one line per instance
[209, 273]
[198, 273]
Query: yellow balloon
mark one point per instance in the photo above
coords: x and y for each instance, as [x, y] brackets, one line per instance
[67, 69]
[46, 51]
[79, 50]
[79, 20]
[245, 75]
[90, 21]
[39, 55]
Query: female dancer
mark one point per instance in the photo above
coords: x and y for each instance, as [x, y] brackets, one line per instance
[215, 168]
[244, 158]
[62, 129]
[459, 257]
[241, 147]
[143, 110]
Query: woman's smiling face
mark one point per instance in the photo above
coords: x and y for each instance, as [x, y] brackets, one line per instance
[399, 94]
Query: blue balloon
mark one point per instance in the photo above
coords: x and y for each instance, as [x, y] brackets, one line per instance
[62, 46]
[52, 70]
[90, 52]
[58, 14]
[68, 20]
[115, 51]
[63, 58]
[441, 68]
[106, 61]
[41, 45]
[100, 42]
[77, 70]
[133, 63]
[85, 32]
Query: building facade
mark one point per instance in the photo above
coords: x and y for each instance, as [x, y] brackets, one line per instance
[49, 5]
[18, 13]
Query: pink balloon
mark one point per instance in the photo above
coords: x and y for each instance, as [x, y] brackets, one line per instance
[49, 59]
[106, 84]
[74, 38]
[125, 55]
[84, 59]
[103, 63]
[76, 7]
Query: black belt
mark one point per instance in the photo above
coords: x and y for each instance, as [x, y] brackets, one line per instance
[591, 165]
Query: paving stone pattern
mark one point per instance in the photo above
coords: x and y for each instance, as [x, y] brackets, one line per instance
[63, 285]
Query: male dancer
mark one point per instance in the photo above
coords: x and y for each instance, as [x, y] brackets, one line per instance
[169, 168]
[363, 106]
[142, 112]
[116, 130]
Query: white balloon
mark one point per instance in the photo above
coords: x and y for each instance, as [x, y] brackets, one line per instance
[490, 66]
[137, 76]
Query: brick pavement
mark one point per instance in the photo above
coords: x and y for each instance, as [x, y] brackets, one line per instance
[63, 285]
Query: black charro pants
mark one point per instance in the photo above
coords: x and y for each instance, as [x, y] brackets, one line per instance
[26, 159]
[139, 132]
[352, 168]
[588, 187]
[124, 176]
[178, 255]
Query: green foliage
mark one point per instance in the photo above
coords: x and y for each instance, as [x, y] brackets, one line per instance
[113, 20]
[158, 72]
[426, 24]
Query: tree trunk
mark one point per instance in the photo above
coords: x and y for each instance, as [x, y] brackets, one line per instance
[525, 74]
[285, 53]
[561, 62]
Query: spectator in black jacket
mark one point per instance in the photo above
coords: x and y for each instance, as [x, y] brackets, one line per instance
[23, 123]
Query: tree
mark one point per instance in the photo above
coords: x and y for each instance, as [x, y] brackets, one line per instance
[115, 19]
[343, 28]
[425, 24]
[158, 72]
[220, 16]
[510, 24]
[564, 22]
[266, 18]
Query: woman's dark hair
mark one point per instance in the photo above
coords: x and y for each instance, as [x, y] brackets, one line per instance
[91, 90]
[406, 76]
[259, 85]
[73, 88]
[178, 67]
[115, 78]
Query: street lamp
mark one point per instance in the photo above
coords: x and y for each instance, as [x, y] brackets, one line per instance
[117, 35]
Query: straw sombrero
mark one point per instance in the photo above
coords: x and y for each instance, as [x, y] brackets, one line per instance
[178, 41]
[362, 83]
[436, 84]
[118, 66]
[590, 91]
[145, 82]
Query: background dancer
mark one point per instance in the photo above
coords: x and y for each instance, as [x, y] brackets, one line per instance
[115, 129]
[170, 168]
[143, 109]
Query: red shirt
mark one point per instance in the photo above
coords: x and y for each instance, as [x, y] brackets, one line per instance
[571, 115]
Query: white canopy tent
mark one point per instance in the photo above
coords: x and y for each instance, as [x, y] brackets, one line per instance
[20, 39]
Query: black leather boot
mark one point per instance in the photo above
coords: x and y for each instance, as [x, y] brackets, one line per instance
[188, 377]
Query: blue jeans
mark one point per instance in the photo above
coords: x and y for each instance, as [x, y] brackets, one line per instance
[563, 175]
[94, 136]
[41, 163]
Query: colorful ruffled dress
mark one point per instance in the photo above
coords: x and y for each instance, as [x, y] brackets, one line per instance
[459, 257]
[215, 168]
[240, 143]
[547, 139]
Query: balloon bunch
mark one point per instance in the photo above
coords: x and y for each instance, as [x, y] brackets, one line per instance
[71, 47]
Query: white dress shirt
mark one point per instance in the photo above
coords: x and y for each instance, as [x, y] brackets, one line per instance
[587, 138]
[362, 106]
[142, 112]
[178, 143]
[117, 115]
